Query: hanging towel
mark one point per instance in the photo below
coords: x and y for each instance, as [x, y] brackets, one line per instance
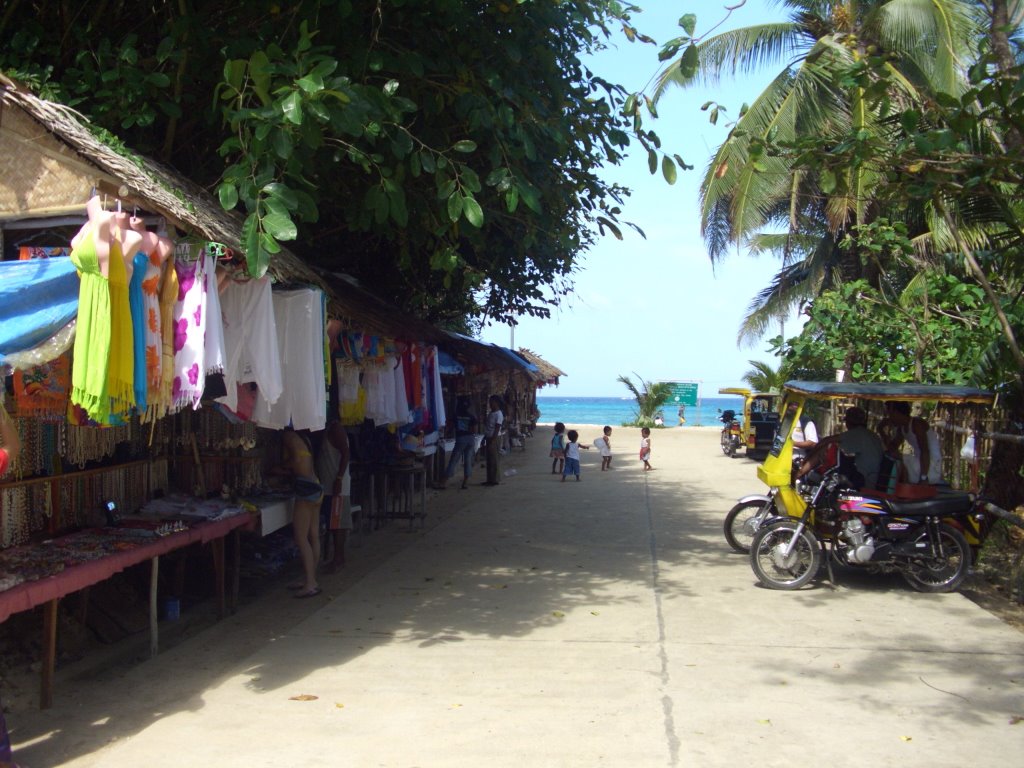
[214, 320]
[300, 324]
[250, 341]
[37, 299]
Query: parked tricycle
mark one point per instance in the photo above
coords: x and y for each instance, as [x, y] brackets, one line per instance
[918, 531]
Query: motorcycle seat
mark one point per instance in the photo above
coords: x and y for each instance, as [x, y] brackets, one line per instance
[949, 503]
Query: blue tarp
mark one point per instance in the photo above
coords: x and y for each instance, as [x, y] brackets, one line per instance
[38, 297]
[448, 365]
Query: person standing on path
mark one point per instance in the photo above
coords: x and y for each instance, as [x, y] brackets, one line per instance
[298, 462]
[495, 418]
[332, 469]
[604, 443]
[558, 449]
[572, 455]
[645, 448]
[465, 444]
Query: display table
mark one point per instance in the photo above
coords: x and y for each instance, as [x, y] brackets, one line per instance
[55, 568]
[275, 513]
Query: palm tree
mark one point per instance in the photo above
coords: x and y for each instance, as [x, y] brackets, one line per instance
[747, 194]
[648, 400]
[763, 378]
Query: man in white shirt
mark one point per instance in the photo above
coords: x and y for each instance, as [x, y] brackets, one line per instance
[495, 418]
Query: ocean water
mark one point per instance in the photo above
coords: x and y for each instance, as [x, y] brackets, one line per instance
[615, 411]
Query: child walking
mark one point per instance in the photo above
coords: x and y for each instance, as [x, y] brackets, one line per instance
[558, 449]
[645, 448]
[605, 445]
[572, 455]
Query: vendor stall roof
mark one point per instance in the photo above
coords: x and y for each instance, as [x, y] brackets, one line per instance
[546, 369]
[50, 162]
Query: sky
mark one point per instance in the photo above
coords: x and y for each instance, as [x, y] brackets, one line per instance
[656, 308]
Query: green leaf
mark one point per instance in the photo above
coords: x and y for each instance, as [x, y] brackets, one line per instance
[269, 244]
[603, 223]
[390, 87]
[446, 189]
[280, 226]
[512, 198]
[396, 204]
[690, 62]
[282, 192]
[282, 144]
[668, 169]
[652, 161]
[234, 71]
[310, 84]
[454, 206]
[688, 23]
[827, 180]
[291, 107]
[259, 71]
[256, 258]
[464, 145]
[228, 195]
[473, 212]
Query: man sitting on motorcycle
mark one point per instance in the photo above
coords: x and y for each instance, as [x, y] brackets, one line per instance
[858, 442]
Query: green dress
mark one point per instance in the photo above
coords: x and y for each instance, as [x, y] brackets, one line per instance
[92, 333]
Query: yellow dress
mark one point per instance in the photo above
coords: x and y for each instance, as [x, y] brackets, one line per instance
[121, 370]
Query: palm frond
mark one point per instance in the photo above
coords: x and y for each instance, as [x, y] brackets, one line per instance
[739, 51]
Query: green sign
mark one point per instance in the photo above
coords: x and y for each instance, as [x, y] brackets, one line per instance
[684, 392]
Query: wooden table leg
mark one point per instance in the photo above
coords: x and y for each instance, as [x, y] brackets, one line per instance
[217, 547]
[49, 654]
[154, 581]
[236, 567]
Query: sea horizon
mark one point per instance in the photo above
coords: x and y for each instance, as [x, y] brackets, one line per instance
[614, 411]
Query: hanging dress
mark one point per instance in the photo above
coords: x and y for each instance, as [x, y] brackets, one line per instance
[121, 366]
[92, 335]
[189, 372]
[153, 325]
[136, 302]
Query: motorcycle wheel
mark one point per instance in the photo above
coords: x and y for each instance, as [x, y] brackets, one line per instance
[773, 567]
[743, 522]
[727, 446]
[940, 574]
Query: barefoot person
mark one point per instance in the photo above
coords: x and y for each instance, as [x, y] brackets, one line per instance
[298, 462]
[332, 469]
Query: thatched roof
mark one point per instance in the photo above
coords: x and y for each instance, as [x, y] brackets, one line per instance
[65, 160]
[51, 162]
[549, 372]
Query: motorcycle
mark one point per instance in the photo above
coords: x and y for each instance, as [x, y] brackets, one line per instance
[751, 512]
[732, 433]
[924, 535]
[922, 539]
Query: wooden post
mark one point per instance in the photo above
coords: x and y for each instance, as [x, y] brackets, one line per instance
[49, 653]
[217, 547]
[154, 579]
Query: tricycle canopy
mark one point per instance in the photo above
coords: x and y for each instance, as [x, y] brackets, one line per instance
[939, 393]
[777, 469]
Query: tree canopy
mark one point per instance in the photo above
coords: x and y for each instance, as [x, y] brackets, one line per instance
[445, 152]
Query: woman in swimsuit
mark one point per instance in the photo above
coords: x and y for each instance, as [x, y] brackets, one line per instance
[298, 461]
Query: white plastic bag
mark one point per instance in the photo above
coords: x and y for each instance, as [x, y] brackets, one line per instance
[967, 451]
